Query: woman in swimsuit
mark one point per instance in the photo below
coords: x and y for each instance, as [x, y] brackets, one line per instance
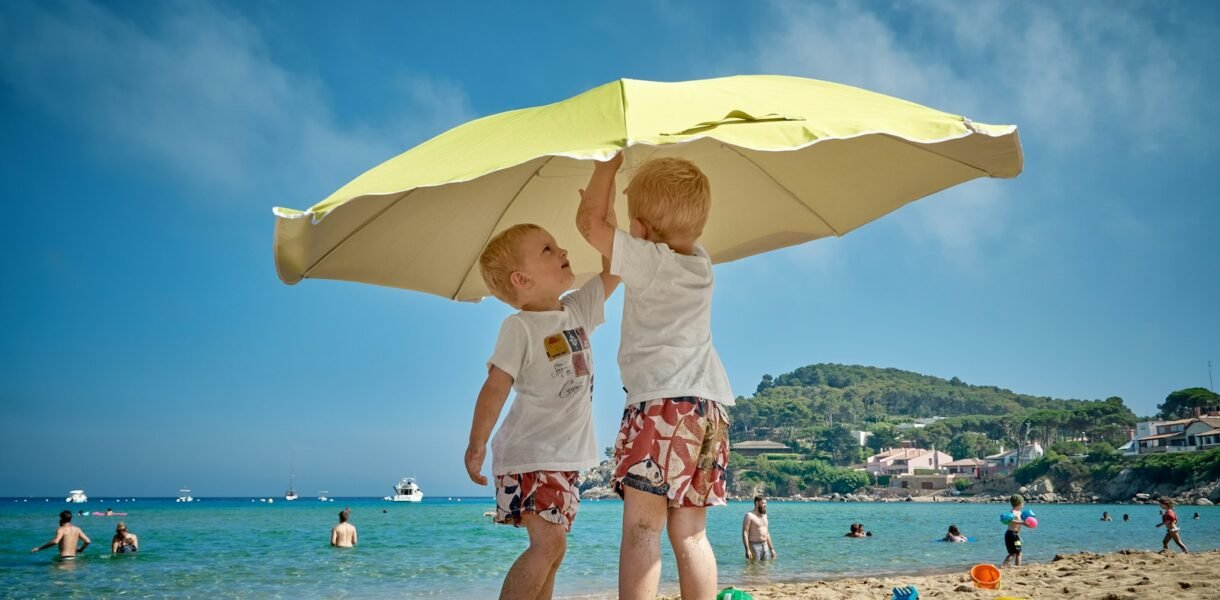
[1169, 519]
[123, 542]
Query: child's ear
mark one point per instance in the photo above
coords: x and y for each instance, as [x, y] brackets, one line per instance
[520, 280]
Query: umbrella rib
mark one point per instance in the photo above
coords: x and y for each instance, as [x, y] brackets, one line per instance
[786, 190]
[496, 224]
[949, 158]
[349, 236]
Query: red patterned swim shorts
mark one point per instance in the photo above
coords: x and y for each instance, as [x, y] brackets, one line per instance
[674, 447]
[552, 495]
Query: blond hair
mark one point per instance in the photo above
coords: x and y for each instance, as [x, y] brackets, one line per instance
[672, 196]
[501, 258]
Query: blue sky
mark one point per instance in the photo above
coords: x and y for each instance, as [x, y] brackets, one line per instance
[148, 343]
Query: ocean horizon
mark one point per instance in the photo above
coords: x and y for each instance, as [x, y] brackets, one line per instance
[445, 547]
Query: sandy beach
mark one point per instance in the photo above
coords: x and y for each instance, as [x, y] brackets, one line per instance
[1123, 575]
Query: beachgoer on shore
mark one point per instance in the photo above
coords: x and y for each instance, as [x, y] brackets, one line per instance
[542, 353]
[343, 535]
[756, 532]
[123, 542]
[1169, 520]
[954, 535]
[676, 385]
[1012, 535]
[66, 538]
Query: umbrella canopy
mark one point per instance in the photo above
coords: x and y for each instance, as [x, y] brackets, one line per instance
[789, 160]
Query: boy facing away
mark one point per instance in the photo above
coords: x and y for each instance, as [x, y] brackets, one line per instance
[672, 447]
[1012, 536]
[547, 437]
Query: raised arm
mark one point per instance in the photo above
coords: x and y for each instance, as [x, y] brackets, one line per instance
[610, 282]
[595, 218]
[486, 412]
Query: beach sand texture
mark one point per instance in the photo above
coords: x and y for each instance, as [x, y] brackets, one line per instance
[1123, 575]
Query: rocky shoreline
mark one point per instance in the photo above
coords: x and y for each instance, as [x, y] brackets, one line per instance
[1123, 489]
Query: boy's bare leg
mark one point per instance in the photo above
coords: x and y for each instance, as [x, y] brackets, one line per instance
[533, 575]
[696, 561]
[639, 555]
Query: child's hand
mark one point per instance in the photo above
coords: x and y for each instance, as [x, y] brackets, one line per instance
[475, 454]
[613, 164]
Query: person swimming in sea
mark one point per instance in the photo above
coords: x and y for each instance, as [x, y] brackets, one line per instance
[954, 535]
[66, 537]
[123, 542]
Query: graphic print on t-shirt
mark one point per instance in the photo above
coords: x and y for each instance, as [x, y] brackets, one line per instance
[573, 343]
[573, 338]
[556, 346]
[579, 365]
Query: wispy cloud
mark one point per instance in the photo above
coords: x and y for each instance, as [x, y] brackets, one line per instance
[1070, 75]
[195, 90]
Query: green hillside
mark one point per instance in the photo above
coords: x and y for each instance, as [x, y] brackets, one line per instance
[814, 408]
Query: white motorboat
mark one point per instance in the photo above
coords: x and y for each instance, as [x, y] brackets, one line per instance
[184, 495]
[322, 497]
[77, 497]
[407, 491]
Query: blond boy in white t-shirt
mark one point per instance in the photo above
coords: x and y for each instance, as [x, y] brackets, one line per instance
[672, 447]
[543, 354]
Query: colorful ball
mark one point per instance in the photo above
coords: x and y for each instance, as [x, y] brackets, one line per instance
[1031, 523]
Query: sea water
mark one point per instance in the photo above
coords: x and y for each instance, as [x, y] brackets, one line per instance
[447, 548]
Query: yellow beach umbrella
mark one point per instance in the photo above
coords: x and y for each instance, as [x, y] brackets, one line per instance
[789, 160]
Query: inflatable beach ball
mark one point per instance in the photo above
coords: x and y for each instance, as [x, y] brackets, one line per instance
[1031, 522]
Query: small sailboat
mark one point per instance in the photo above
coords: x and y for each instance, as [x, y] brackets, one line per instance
[291, 494]
[407, 491]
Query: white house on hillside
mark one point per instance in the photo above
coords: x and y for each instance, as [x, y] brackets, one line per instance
[1007, 461]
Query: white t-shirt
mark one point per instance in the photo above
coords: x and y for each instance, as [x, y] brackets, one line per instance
[549, 426]
[666, 348]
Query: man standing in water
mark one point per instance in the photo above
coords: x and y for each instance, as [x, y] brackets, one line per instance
[344, 534]
[66, 537]
[756, 532]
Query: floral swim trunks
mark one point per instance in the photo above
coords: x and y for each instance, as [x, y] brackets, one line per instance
[552, 495]
[674, 447]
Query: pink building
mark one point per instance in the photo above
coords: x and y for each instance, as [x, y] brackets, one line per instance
[900, 461]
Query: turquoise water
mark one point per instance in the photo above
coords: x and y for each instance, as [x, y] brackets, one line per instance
[442, 548]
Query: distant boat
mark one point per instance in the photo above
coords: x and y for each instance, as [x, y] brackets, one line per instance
[323, 498]
[291, 494]
[77, 497]
[184, 495]
[406, 491]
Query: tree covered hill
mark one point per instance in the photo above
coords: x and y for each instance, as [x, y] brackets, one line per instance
[815, 406]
